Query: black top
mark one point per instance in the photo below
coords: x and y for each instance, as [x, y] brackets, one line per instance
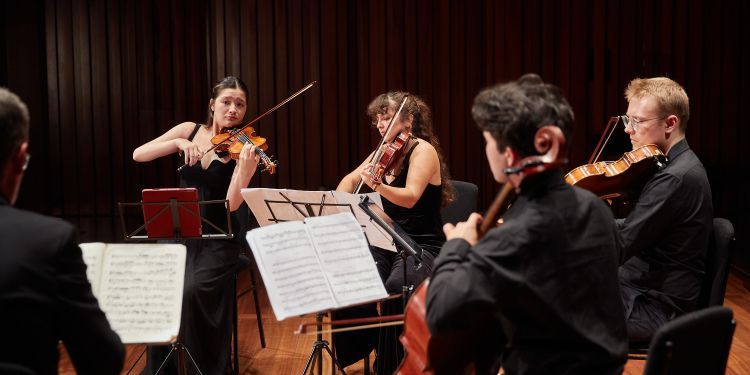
[422, 222]
[212, 184]
[46, 297]
[545, 280]
[664, 238]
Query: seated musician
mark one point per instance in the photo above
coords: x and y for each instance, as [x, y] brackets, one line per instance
[45, 296]
[665, 236]
[413, 190]
[542, 287]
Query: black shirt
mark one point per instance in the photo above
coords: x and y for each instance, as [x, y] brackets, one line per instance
[546, 279]
[664, 238]
[422, 222]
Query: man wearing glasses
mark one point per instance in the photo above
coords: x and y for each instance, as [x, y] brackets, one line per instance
[665, 236]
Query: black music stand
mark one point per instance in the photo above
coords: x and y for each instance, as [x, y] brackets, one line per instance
[316, 354]
[406, 245]
[175, 208]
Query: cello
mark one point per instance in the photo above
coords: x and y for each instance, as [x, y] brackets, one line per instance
[452, 354]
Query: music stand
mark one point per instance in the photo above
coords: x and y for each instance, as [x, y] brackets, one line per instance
[406, 245]
[284, 206]
[179, 210]
[176, 210]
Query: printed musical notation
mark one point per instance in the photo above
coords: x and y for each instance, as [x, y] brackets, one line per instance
[139, 288]
[318, 264]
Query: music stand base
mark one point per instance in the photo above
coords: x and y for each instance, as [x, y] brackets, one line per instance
[316, 355]
[181, 350]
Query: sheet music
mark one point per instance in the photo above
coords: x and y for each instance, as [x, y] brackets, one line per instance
[346, 259]
[141, 291]
[375, 234]
[93, 253]
[290, 269]
[270, 206]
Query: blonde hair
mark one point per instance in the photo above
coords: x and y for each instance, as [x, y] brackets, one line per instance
[671, 97]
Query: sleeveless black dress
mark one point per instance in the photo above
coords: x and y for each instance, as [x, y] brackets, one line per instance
[206, 321]
[424, 225]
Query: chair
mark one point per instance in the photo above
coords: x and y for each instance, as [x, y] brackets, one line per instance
[694, 343]
[14, 369]
[464, 204]
[718, 254]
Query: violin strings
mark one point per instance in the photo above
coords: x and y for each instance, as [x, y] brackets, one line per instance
[245, 139]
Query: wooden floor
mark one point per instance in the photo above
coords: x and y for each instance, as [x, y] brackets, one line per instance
[286, 353]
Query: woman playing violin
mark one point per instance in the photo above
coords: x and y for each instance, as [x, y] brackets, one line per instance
[207, 301]
[413, 188]
[541, 288]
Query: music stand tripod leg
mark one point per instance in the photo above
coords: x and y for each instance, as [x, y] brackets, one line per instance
[316, 356]
[181, 350]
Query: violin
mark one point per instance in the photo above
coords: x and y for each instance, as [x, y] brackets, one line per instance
[384, 156]
[247, 136]
[233, 141]
[621, 179]
[452, 354]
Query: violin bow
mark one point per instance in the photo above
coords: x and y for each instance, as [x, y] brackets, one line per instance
[611, 126]
[266, 113]
[379, 150]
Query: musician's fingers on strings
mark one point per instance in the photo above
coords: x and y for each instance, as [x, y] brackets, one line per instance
[366, 175]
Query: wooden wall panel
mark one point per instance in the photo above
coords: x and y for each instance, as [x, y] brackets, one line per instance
[113, 75]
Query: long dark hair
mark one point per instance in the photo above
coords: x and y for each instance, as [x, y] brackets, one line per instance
[229, 82]
[421, 127]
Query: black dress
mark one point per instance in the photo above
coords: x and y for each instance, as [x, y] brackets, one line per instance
[423, 224]
[205, 327]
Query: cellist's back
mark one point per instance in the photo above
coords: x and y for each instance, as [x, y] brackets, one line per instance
[548, 280]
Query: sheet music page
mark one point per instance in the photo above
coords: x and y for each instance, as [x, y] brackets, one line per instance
[93, 253]
[346, 259]
[141, 291]
[290, 269]
[375, 234]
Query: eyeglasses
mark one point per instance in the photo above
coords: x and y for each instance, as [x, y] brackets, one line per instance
[26, 162]
[635, 123]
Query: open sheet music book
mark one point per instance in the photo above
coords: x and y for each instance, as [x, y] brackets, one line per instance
[139, 288]
[271, 206]
[317, 264]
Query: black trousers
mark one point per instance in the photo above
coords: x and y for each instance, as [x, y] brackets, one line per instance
[352, 346]
[206, 321]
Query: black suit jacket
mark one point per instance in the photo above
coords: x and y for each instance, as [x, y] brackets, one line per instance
[45, 297]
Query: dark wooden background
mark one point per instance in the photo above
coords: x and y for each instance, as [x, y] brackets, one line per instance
[102, 77]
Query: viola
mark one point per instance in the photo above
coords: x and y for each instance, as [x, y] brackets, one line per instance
[621, 179]
[233, 141]
[452, 354]
[391, 153]
[395, 145]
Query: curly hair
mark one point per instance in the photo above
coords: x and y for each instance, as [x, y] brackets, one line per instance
[512, 112]
[421, 126]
